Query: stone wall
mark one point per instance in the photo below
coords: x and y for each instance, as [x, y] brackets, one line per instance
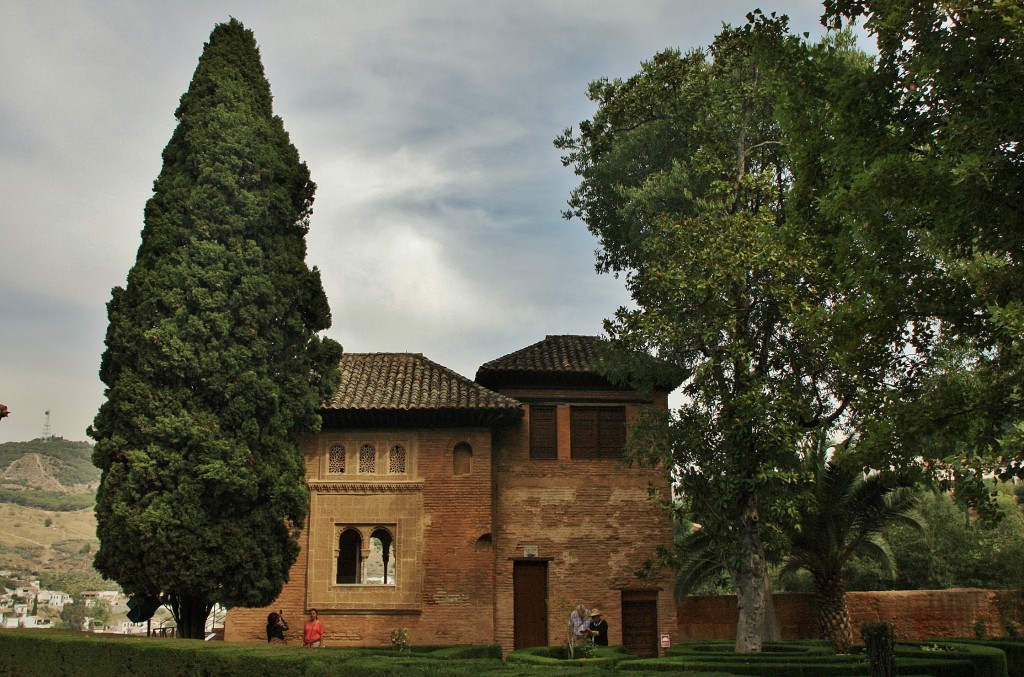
[916, 614]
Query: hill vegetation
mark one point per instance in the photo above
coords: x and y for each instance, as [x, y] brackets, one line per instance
[54, 460]
[53, 474]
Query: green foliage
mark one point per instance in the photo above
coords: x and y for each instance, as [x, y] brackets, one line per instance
[843, 516]
[695, 183]
[603, 656]
[944, 163]
[400, 639]
[47, 500]
[74, 582]
[958, 549]
[213, 366]
[71, 462]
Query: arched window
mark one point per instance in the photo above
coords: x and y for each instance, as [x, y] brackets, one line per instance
[350, 545]
[462, 459]
[380, 566]
[396, 460]
[336, 459]
[367, 459]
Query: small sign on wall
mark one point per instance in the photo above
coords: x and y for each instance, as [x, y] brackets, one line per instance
[665, 642]
[529, 551]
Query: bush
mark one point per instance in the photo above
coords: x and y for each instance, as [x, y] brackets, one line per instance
[89, 655]
[987, 661]
[556, 655]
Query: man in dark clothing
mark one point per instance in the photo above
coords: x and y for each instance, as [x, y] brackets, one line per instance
[598, 628]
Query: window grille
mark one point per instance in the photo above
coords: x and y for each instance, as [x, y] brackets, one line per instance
[336, 459]
[396, 460]
[367, 459]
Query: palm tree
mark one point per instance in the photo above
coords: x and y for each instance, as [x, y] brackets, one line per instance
[845, 515]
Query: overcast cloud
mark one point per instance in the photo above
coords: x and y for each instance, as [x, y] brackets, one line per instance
[427, 125]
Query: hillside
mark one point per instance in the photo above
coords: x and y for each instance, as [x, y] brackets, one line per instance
[55, 464]
[47, 493]
[53, 474]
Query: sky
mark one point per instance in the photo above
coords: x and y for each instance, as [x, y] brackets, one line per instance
[426, 124]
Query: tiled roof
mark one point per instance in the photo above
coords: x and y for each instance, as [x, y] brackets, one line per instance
[569, 361]
[562, 354]
[410, 382]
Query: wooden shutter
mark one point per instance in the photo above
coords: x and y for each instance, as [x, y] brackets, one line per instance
[598, 432]
[543, 433]
[611, 432]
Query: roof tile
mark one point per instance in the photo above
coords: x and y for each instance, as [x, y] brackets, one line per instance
[409, 381]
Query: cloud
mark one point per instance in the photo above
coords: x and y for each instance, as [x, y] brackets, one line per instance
[428, 127]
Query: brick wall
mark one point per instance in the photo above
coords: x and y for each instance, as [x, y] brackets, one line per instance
[593, 519]
[443, 545]
[458, 537]
[916, 614]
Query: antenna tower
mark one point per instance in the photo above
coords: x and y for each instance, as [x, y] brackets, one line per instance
[46, 426]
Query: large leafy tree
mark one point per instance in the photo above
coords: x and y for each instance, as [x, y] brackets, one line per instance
[214, 366]
[946, 163]
[692, 185]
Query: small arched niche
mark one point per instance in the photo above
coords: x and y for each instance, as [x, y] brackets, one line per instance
[462, 459]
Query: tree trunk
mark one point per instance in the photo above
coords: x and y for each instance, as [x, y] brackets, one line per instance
[750, 580]
[190, 613]
[833, 616]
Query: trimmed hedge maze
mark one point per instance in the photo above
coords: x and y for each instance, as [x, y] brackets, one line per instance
[50, 653]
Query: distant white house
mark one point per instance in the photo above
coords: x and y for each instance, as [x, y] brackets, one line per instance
[28, 590]
[36, 622]
[55, 599]
[111, 597]
[129, 628]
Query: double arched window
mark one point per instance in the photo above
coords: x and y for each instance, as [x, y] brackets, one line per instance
[374, 565]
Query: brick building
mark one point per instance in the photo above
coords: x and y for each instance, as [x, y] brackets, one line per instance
[477, 511]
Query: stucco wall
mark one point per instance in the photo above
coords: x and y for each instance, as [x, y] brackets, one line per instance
[916, 614]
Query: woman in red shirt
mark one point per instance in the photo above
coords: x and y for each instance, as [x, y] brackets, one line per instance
[313, 630]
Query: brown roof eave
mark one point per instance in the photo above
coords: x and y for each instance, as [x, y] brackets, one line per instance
[419, 418]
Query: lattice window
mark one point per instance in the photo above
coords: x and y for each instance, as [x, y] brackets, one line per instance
[396, 460]
[336, 459]
[367, 459]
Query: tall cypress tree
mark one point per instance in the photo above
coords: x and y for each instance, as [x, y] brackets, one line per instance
[213, 365]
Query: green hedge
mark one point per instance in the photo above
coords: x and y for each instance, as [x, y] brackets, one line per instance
[812, 659]
[1014, 651]
[987, 661]
[604, 656]
[47, 653]
[775, 649]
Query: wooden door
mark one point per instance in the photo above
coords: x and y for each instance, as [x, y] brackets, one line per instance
[530, 602]
[640, 623]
